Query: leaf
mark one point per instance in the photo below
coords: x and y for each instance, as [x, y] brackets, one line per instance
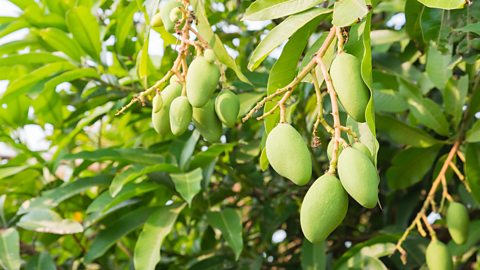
[410, 166]
[3, 220]
[11, 170]
[472, 27]
[248, 100]
[48, 221]
[229, 222]
[127, 155]
[41, 261]
[213, 40]
[68, 76]
[124, 25]
[363, 262]
[404, 134]
[30, 59]
[84, 27]
[135, 172]
[472, 169]
[60, 41]
[382, 37]
[281, 33]
[444, 4]
[313, 256]
[143, 62]
[262, 10]
[429, 114]
[387, 100]
[188, 150]
[157, 227]
[9, 249]
[188, 184]
[437, 68]
[111, 234]
[473, 134]
[204, 158]
[346, 12]
[454, 98]
[377, 246]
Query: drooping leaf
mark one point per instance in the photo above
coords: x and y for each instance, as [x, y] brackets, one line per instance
[6, 171]
[48, 221]
[437, 68]
[84, 27]
[157, 227]
[9, 249]
[282, 32]
[229, 222]
[473, 134]
[60, 41]
[262, 10]
[188, 150]
[188, 184]
[429, 113]
[41, 261]
[124, 25]
[204, 158]
[128, 155]
[33, 58]
[444, 4]
[472, 169]
[313, 256]
[454, 98]
[80, 73]
[346, 12]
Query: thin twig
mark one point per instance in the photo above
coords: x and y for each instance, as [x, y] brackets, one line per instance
[320, 118]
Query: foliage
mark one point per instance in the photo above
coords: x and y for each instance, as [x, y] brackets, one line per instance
[108, 193]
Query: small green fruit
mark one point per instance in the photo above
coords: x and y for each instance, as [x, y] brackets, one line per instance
[201, 82]
[156, 20]
[209, 55]
[288, 154]
[349, 86]
[176, 14]
[364, 149]
[227, 106]
[180, 115]
[323, 208]
[358, 176]
[207, 123]
[457, 222]
[174, 79]
[165, 10]
[330, 149]
[161, 119]
[438, 257]
[157, 103]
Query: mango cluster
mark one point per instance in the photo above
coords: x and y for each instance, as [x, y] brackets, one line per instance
[173, 112]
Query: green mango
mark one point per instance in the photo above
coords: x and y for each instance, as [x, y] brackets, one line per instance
[349, 86]
[323, 208]
[165, 10]
[358, 176]
[209, 55]
[363, 148]
[156, 20]
[330, 149]
[180, 115]
[227, 107]
[457, 222]
[161, 119]
[207, 123]
[288, 154]
[201, 82]
[438, 257]
[157, 103]
[176, 14]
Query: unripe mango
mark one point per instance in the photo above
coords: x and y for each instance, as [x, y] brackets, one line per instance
[176, 14]
[201, 82]
[364, 149]
[161, 119]
[358, 176]
[323, 208]
[227, 106]
[457, 222]
[207, 123]
[209, 55]
[438, 257]
[288, 154]
[330, 149]
[349, 86]
[180, 115]
[165, 10]
[157, 103]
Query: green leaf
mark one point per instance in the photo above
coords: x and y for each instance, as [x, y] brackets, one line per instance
[188, 150]
[18, 24]
[404, 134]
[133, 173]
[410, 166]
[437, 68]
[262, 10]
[444, 4]
[229, 222]
[473, 134]
[30, 59]
[454, 98]
[188, 184]
[204, 158]
[68, 76]
[388, 100]
[157, 227]
[216, 44]
[122, 226]
[48, 221]
[9, 249]
[363, 262]
[3, 220]
[472, 27]
[143, 62]
[127, 155]
[124, 25]
[377, 246]
[11, 170]
[248, 100]
[60, 41]
[382, 37]
[84, 27]
[313, 256]
[429, 114]
[282, 32]
[41, 261]
[472, 169]
[346, 12]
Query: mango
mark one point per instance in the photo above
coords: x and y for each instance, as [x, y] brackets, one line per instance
[156, 20]
[157, 103]
[363, 148]
[165, 10]
[209, 55]
[288, 154]
[438, 257]
[349, 86]
[457, 222]
[323, 208]
[201, 82]
[176, 14]
[161, 119]
[207, 123]
[330, 149]
[358, 176]
[180, 115]
[227, 107]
